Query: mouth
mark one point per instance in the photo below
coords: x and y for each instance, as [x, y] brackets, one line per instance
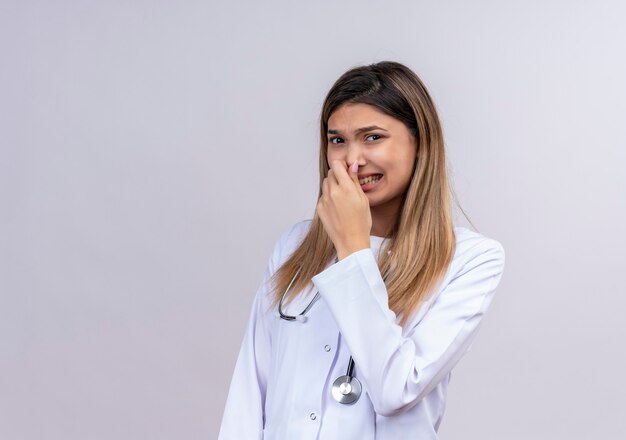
[370, 181]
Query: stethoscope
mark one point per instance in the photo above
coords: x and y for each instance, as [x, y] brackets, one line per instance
[346, 389]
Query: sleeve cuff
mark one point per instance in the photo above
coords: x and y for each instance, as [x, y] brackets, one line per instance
[352, 278]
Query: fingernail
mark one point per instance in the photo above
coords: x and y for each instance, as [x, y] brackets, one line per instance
[355, 167]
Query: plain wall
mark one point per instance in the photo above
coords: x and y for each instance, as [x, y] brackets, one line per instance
[151, 152]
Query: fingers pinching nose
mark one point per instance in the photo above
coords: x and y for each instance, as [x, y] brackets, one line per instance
[354, 167]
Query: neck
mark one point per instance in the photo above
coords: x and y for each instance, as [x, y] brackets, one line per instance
[384, 218]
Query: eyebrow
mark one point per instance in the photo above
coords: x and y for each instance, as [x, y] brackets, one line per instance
[359, 130]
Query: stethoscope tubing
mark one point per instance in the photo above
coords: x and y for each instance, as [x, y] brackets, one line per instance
[346, 389]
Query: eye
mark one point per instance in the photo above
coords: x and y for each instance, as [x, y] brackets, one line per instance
[335, 140]
[373, 137]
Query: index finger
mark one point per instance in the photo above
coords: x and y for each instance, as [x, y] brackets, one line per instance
[340, 171]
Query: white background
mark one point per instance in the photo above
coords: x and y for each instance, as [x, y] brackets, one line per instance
[151, 152]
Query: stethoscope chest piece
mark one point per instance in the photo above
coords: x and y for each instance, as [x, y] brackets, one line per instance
[346, 389]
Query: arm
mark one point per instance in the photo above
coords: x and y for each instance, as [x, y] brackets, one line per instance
[244, 413]
[399, 371]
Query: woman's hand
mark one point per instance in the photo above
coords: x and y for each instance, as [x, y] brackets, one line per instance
[344, 210]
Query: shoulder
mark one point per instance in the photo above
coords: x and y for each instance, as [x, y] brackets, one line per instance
[296, 232]
[468, 241]
[291, 238]
[474, 249]
[289, 241]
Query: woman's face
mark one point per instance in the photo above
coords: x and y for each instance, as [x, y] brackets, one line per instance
[382, 145]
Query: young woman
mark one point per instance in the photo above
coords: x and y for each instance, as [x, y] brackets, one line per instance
[366, 308]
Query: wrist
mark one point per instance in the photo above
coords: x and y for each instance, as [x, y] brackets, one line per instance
[344, 251]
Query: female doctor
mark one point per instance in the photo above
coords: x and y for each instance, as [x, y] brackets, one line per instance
[365, 309]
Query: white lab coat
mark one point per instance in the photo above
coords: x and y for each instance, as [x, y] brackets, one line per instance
[281, 386]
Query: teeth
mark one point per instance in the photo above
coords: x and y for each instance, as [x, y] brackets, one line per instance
[370, 179]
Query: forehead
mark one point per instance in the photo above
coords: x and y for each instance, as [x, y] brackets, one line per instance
[351, 115]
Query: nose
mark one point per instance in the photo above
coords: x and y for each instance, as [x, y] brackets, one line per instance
[355, 152]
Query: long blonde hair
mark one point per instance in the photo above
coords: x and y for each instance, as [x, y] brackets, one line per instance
[422, 241]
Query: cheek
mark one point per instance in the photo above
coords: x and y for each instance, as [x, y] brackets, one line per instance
[404, 168]
[333, 155]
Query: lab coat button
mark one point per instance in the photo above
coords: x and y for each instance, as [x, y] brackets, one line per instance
[326, 348]
[313, 416]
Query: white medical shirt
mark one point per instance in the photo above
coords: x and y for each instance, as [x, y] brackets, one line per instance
[281, 386]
